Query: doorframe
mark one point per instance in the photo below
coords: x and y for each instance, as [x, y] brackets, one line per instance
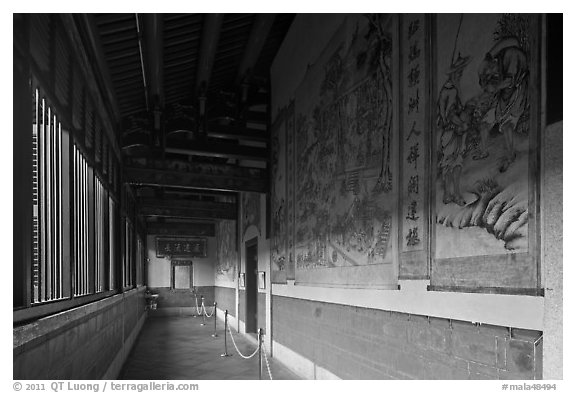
[251, 287]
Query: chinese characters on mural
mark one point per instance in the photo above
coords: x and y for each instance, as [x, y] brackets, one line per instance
[482, 135]
[414, 160]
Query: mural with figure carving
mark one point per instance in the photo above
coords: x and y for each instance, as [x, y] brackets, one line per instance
[227, 254]
[250, 211]
[482, 135]
[278, 200]
[344, 173]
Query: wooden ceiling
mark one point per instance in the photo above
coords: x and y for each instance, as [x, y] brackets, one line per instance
[191, 97]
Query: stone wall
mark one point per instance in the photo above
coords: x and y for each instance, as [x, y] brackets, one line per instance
[226, 299]
[363, 343]
[87, 342]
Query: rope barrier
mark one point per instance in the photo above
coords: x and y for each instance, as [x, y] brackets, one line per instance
[266, 359]
[197, 309]
[206, 312]
[259, 349]
[237, 350]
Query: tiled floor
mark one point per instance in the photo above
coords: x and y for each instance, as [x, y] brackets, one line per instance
[180, 348]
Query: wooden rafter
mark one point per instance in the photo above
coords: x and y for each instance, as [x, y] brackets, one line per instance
[208, 47]
[237, 179]
[258, 35]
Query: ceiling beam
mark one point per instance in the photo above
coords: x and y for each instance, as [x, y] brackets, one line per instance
[224, 213]
[181, 228]
[236, 152]
[210, 37]
[258, 35]
[233, 179]
[105, 98]
[237, 133]
[102, 65]
[154, 42]
[186, 204]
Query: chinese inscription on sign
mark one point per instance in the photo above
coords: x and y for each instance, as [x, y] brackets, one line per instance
[414, 126]
[180, 247]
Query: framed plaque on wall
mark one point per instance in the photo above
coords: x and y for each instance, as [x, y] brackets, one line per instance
[180, 247]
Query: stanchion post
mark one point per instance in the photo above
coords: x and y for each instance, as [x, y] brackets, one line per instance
[203, 312]
[225, 334]
[214, 315]
[260, 353]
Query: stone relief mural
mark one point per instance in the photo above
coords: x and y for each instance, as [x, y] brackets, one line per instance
[485, 109]
[482, 135]
[250, 210]
[278, 200]
[227, 254]
[343, 160]
[426, 171]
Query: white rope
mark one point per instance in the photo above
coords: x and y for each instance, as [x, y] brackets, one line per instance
[237, 350]
[266, 359]
[197, 309]
[206, 312]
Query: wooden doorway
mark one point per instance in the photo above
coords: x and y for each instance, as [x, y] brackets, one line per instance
[252, 286]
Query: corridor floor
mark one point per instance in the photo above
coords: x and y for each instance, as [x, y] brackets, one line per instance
[171, 348]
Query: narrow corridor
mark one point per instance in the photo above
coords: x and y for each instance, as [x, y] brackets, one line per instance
[180, 348]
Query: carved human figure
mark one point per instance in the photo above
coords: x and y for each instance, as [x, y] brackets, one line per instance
[453, 120]
[504, 71]
[481, 107]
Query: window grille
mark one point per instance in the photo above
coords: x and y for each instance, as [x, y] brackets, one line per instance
[81, 224]
[47, 207]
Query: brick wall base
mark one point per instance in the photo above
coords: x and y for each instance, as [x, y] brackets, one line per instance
[362, 343]
[88, 342]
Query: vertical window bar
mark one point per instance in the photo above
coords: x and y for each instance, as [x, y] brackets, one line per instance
[126, 253]
[54, 207]
[80, 228]
[95, 183]
[129, 256]
[124, 271]
[100, 235]
[76, 270]
[97, 237]
[60, 217]
[83, 230]
[86, 227]
[49, 223]
[112, 248]
[55, 200]
[80, 255]
[77, 219]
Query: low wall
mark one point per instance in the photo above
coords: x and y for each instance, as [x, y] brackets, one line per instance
[352, 342]
[226, 299]
[87, 342]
